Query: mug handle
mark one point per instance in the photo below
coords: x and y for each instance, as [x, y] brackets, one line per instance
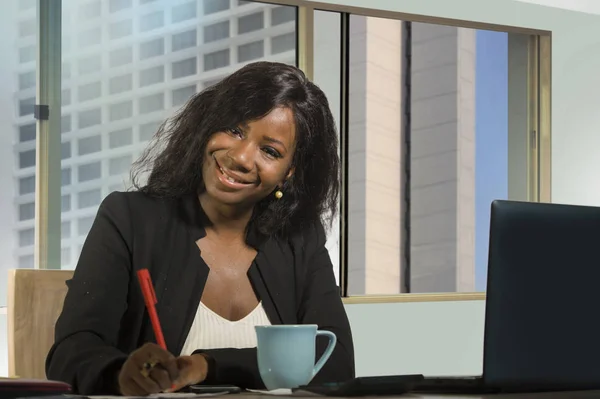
[328, 351]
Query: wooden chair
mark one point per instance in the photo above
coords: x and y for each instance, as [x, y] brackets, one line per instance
[35, 300]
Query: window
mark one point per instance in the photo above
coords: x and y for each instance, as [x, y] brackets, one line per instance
[151, 21]
[120, 29]
[118, 5]
[26, 262]
[218, 59]
[90, 37]
[65, 230]
[27, 54]
[251, 23]
[84, 225]
[26, 80]
[66, 71]
[121, 56]
[65, 203]
[183, 12]
[120, 138]
[152, 103]
[27, 132]
[89, 64]
[152, 48]
[183, 40]
[65, 97]
[152, 76]
[283, 14]
[89, 171]
[27, 159]
[26, 211]
[90, 10]
[147, 130]
[27, 185]
[89, 118]
[65, 123]
[86, 199]
[27, 28]
[180, 96]
[118, 166]
[65, 258]
[65, 150]
[183, 68]
[283, 43]
[216, 31]
[251, 51]
[119, 84]
[89, 145]
[89, 91]
[213, 6]
[26, 106]
[120, 110]
[65, 177]
[26, 237]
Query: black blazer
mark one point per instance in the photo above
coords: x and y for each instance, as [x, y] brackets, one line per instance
[104, 317]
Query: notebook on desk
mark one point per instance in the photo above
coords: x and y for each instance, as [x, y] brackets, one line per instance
[21, 387]
[541, 325]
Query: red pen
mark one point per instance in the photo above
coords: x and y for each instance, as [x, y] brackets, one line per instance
[150, 299]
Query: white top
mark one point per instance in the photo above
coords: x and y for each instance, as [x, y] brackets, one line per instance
[211, 331]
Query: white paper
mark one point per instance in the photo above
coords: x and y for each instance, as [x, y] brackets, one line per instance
[174, 395]
[284, 392]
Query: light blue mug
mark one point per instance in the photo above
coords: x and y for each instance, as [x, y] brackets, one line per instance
[286, 354]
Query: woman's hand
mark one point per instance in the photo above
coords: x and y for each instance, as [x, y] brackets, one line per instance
[151, 369]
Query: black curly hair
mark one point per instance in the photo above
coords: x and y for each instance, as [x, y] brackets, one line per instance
[175, 156]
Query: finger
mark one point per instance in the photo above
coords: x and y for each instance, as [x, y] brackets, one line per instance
[131, 388]
[153, 354]
[161, 376]
[146, 383]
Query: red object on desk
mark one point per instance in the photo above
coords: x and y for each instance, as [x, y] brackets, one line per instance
[151, 301]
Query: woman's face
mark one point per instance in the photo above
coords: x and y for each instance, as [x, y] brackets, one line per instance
[244, 165]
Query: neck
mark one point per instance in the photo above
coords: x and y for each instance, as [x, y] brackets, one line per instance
[225, 219]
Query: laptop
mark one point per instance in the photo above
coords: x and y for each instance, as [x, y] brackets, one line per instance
[542, 323]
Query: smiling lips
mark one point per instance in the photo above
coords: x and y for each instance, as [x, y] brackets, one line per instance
[229, 179]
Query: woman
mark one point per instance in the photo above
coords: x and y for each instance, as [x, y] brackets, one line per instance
[229, 224]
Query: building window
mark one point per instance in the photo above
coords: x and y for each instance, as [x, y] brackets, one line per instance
[27, 211]
[89, 198]
[65, 257]
[120, 110]
[84, 225]
[250, 23]
[120, 57]
[90, 37]
[27, 54]
[283, 43]
[282, 14]
[26, 106]
[251, 51]
[89, 171]
[89, 145]
[213, 6]
[147, 130]
[151, 103]
[120, 29]
[89, 91]
[26, 262]
[119, 84]
[181, 95]
[65, 123]
[90, 10]
[151, 21]
[120, 138]
[65, 97]
[89, 64]
[216, 31]
[65, 230]
[66, 71]
[26, 159]
[65, 203]
[152, 48]
[65, 177]
[118, 5]
[26, 80]
[65, 150]
[26, 237]
[183, 12]
[183, 40]
[27, 28]
[27, 132]
[118, 166]
[89, 118]
[218, 59]
[183, 68]
[152, 76]
[27, 185]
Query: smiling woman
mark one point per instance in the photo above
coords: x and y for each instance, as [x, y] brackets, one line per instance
[230, 226]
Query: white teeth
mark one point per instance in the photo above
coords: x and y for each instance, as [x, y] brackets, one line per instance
[230, 179]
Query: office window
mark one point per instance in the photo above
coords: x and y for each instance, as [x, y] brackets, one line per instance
[147, 130]
[65, 97]
[27, 28]
[183, 40]
[251, 51]
[120, 111]
[26, 237]
[65, 150]
[283, 43]
[27, 54]
[120, 165]
[282, 14]
[65, 123]
[88, 198]
[152, 103]
[65, 203]
[90, 10]
[26, 80]
[26, 211]
[120, 29]
[181, 95]
[120, 57]
[118, 5]
[120, 138]
[26, 159]
[27, 132]
[65, 177]
[89, 145]
[89, 171]
[66, 71]
[152, 48]
[90, 37]
[89, 91]
[26, 262]
[151, 21]
[89, 118]
[250, 23]
[213, 6]
[89, 64]
[26, 106]
[183, 12]
[216, 31]
[119, 84]
[152, 76]
[218, 59]
[65, 230]
[84, 225]
[184, 68]
[27, 185]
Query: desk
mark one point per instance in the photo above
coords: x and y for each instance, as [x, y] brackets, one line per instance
[553, 395]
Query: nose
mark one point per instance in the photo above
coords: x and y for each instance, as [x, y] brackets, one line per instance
[242, 156]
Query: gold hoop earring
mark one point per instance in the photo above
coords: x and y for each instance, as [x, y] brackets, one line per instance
[278, 194]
